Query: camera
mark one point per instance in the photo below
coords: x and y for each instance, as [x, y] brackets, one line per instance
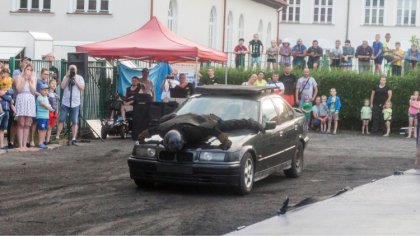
[72, 75]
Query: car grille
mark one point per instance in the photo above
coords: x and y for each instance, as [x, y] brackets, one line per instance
[179, 156]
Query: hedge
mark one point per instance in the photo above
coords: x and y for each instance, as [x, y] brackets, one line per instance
[352, 88]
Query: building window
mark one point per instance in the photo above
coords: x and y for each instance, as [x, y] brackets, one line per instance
[229, 33]
[33, 5]
[213, 28]
[374, 12]
[260, 30]
[292, 12]
[172, 15]
[406, 12]
[241, 27]
[268, 39]
[323, 11]
[92, 6]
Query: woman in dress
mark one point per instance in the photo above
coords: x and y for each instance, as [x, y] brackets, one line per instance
[25, 104]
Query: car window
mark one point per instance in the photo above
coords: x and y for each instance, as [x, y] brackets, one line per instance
[227, 108]
[268, 111]
[286, 113]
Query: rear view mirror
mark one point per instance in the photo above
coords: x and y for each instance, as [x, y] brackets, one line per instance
[269, 125]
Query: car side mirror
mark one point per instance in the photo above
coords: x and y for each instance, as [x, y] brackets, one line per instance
[269, 125]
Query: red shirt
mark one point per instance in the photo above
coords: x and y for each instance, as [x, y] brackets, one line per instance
[239, 48]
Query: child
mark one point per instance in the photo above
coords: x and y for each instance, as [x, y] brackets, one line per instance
[54, 100]
[42, 115]
[334, 106]
[323, 114]
[387, 111]
[272, 55]
[307, 108]
[412, 115]
[6, 101]
[255, 48]
[366, 116]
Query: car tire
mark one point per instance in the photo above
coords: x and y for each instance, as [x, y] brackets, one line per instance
[297, 163]
[144, 183]
[246, 178]
[103, 133]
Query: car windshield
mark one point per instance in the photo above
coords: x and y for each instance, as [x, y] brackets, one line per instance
[223, 107]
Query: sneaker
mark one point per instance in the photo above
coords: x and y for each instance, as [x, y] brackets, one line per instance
[42, 146]
[46, 143]
[10, 146]
[28, 145]
[74, 142]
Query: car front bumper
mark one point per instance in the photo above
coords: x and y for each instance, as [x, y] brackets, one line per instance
[190, 173]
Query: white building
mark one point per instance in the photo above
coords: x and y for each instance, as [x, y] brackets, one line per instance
[214, 23]
[357, 20]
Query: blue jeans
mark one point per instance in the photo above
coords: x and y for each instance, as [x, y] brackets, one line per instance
[74, 114]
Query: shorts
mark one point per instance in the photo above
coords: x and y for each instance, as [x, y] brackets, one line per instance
[42, 124]
[378, 60]
[4, 122]
[311, 63]
[322, 117]
[272, 60]
[53, 119]
[335, 63]
[412, 116]
[256, 60]
[389, 58]
[290, 99]
[333, 116]
[74, 114]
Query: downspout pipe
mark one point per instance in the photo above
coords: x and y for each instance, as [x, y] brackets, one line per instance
[224, 25]
[278, 24]
[151, 8]
[348, 19]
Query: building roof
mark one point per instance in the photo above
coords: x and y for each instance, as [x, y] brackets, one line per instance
[273, 3]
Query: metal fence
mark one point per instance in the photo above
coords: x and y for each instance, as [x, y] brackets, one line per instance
[99, 84]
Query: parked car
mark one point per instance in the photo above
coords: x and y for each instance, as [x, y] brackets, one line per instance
[252, 156]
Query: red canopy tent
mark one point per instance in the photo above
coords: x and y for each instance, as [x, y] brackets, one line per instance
[153, 41]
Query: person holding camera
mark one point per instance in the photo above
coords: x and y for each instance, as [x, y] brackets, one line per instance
[72, 85]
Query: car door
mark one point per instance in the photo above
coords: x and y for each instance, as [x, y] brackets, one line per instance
[268, 143]
[288, 128]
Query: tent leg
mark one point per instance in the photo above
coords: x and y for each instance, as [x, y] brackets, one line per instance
[196, 71]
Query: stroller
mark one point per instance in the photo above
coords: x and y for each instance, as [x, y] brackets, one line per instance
[114, 124]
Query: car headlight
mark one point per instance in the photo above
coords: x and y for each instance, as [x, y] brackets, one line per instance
[212, 156]
[147, 152]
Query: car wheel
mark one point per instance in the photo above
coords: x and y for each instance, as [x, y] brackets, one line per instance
[246, 179]
[297, 163]
[103, 133]
[144, 183]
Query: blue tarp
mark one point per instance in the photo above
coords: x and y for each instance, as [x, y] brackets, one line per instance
[156, 74]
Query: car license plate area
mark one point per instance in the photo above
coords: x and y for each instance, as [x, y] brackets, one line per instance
[174, 169]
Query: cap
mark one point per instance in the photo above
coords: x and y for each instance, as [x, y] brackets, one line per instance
[26, 58]
[306, 97]
[44, 86]
[286, 41]
[145, 69]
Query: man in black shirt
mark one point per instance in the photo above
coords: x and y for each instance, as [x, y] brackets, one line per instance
[289, 82]
[364, 53]
[211, 80]
[314, 55]
[380, 95]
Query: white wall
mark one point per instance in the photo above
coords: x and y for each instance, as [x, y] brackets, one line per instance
[358, 31]
[126, 16]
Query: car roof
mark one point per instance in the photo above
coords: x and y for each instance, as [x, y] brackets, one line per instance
[234, 90]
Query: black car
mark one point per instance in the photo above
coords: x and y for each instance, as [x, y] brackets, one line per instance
[251, 157]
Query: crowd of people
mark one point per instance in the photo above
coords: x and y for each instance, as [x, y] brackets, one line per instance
[322, 112]
[30, 104]
[339, 57]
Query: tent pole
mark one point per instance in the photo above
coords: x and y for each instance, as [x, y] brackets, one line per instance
[196, 71]
[226, 72]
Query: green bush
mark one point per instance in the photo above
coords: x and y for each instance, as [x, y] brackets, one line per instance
[352, 88]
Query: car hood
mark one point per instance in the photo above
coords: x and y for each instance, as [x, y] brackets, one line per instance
[238, 138]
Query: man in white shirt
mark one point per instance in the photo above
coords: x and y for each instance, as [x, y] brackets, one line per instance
[71, 106]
